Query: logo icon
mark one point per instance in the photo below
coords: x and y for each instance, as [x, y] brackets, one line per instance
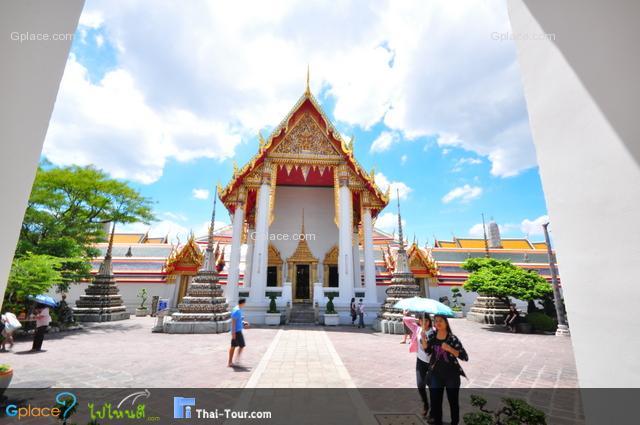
[182, 407]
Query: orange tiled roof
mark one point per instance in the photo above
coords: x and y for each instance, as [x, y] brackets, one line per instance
[128, 237]
[447, 244]
[471, 243]
[539, 245]
[515, 244]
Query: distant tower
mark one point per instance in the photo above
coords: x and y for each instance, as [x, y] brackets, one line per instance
[494, 235]
[204, 309]
[102, 301]
[403, 284]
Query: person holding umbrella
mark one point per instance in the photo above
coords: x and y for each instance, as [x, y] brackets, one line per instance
[420, 330]
[420, 335]
[444, 369]
[41, 314]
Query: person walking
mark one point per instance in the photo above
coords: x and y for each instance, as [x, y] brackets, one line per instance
[407, 330]
[444, 369]
[8, 324]
[42, 323]
[420, 331]
[354, 311]
[237, 337]
[360, 314]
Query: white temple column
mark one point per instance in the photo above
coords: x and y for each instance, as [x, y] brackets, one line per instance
[249, 257]
[260, 249]
[357, 279]
[369, 260]
[234, 261]
[345, 259]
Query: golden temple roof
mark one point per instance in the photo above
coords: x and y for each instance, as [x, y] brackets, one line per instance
[344, 149]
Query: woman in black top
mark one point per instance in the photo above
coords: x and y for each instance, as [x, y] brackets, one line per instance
[354, 311]
[444, 370]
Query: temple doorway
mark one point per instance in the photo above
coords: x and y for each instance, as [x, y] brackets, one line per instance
[302, 287]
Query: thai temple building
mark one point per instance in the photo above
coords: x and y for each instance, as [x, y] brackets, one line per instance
[303, 214]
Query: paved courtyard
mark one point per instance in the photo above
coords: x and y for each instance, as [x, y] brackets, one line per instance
[128, 354]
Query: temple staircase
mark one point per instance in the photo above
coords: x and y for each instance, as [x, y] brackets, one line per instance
[302, 314]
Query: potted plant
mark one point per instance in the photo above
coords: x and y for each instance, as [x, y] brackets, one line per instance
[514, 411]
[141, 311]
[272, 318]
[331, 317]
[6, 373]
[457, 305]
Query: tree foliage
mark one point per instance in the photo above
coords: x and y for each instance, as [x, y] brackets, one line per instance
[502, 279]
[65, 216]
[31, 274]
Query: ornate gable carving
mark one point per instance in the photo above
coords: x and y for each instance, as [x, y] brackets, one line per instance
[274, 258]
[189, 255]
[303, 254]
[306, 138]
[332, 255]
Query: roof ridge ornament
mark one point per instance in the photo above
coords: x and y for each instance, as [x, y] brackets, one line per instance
[307, 90]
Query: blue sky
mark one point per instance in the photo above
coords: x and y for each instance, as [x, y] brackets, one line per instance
[440, 115]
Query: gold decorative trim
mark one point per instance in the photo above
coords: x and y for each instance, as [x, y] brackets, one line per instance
[272, 192]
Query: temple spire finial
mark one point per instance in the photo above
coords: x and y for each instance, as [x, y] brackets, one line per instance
[303, 221]
[110, 247]
[209, 257]
[106, 268]
[307, 90]
[400, 236]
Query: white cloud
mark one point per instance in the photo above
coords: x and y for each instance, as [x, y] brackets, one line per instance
[200, 193]
[111, 125]
[174, 216]
[406, 64]
[388, 222]
[464, 194]
[403, 159]
[534, 227]
[91, 19]
[526, 227]
[384, 142]
[396, 187]
[463, 161]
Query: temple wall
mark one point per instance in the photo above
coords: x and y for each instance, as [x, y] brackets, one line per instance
[128, 291]
[318, 204]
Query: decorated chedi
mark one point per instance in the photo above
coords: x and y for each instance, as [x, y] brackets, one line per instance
[102, 301]
[403, 285]
[204, 309]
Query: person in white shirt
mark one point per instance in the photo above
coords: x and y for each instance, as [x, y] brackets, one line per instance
[361, 314]
[42, 323]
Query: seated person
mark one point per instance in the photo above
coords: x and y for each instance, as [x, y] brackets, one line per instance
[512, 318]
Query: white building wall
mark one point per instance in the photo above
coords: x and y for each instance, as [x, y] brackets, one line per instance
[582, 94]
[128, 291]
[319, 212]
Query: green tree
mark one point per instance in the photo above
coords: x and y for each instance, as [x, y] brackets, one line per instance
[31, 274]
[67, 210]
[502, 279]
